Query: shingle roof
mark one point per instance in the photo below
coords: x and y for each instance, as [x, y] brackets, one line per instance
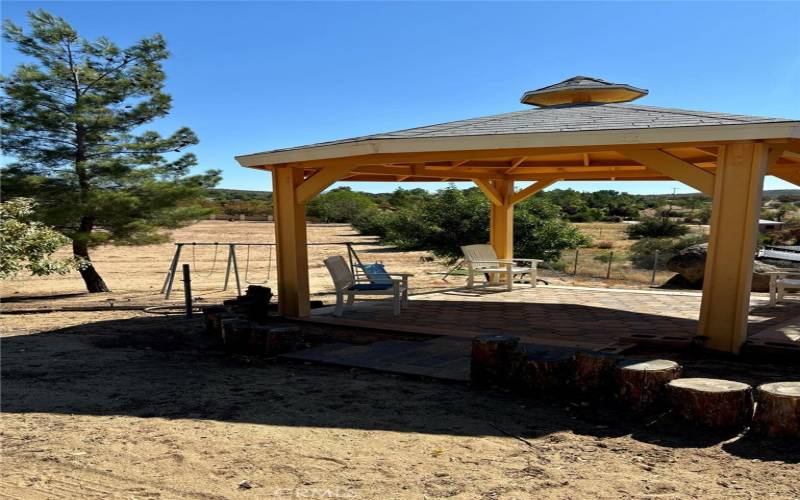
[568, 118]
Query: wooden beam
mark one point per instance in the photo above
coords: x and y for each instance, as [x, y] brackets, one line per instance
[732, 241]
[290, 243]
[529, 191]
[586, 160]
[318, 182]
[688, 173]
[489, 190]
[502, 221]
[515, 163]
[477, 154]
[427, 172]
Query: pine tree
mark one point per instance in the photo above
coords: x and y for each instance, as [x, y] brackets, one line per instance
[72, 119]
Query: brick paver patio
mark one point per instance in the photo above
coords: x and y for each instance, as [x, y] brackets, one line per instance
[554, 315]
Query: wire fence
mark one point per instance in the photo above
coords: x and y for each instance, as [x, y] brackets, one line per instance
[611, 264]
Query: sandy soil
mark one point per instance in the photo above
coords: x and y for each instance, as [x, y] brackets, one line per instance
[127, 405]
[136, 274]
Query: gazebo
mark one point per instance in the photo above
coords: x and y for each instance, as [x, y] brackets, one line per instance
[578, 129]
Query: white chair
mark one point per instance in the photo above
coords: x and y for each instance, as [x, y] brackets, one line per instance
[375, 282]
[482, 259]
[780, 281]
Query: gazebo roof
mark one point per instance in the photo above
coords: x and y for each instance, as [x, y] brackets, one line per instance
[575, 135]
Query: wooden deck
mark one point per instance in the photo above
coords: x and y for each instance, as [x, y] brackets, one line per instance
[585, 318]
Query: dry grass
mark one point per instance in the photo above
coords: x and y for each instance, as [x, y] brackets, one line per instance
[136, 274]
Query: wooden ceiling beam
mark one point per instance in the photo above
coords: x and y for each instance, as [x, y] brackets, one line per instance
[529, 191]
[516, 162]
[490, 191]
[468, 155]
[672, 166]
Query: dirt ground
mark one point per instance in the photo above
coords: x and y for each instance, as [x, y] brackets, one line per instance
[129, 405]
[135, 274]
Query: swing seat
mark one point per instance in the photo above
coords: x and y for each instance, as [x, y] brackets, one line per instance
[376, 282]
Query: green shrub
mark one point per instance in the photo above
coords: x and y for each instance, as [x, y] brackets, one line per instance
[654, 227]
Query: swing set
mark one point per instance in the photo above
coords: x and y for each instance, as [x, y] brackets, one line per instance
[233, 263]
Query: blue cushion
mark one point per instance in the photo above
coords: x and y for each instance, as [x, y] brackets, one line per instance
[370, 286]
[377, 274]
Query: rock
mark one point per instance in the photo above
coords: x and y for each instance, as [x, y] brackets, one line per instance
[690, 264]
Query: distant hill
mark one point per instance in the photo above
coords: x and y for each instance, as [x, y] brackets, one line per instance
[239, 195]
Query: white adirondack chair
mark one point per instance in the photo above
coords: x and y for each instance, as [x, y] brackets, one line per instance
[372, 284]
[780, 281]
[482, 259]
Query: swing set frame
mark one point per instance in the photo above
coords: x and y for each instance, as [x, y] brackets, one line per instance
[233, 264]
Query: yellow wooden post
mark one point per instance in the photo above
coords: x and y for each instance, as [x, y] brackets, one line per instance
[734, 228]
[290, 238]
[502, 220]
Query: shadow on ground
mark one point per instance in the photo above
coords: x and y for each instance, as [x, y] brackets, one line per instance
[165, 367]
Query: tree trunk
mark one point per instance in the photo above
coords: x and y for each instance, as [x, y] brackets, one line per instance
[722, 405]
[594, 374]
[778, 410]
[94, 283]
[642, 384]
[491, 359]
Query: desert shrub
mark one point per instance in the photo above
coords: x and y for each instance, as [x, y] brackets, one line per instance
[655, 227]
[339, 205]
[605, 257]
[444, 221]
[539, 233]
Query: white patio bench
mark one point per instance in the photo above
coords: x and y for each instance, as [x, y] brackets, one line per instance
[375, 282]
[780, 281]
[482, 259]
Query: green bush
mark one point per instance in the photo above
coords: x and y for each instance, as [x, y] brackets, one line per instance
[339, 205]
[445, 221]
[655, 227]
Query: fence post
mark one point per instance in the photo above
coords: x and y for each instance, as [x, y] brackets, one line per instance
[655, 266]
[575, 267]
[187, 290]
[610, 260]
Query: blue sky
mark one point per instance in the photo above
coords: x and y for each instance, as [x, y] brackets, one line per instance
[255, 76]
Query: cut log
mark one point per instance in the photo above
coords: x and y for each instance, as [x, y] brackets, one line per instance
[491, 359]
[543, 373]
[641, 384]
[272, 340]
[778, 410]
[594, 373]
[717, 404]
[211, 318]
[236, 335]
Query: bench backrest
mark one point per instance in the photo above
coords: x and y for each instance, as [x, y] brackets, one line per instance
[340, 271]
[480, 254]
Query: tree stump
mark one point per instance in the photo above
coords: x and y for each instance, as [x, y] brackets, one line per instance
[778, 410]
[491, 359]
[272, 340]
[211, 317]
[543, 373]
[594, 373]
[641, 384]
[236, 335]
[722, 405]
